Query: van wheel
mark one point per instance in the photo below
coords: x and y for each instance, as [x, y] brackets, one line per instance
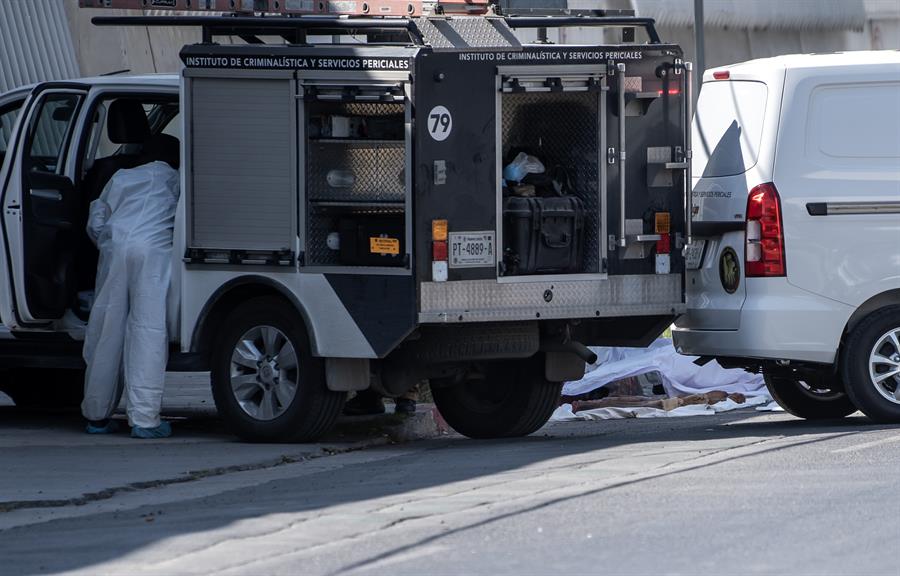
[38, 388]
[508, 398]
[809, 395]
[871, 365]
[267, 385]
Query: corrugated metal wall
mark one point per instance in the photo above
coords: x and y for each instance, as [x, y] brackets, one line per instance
[35, 43]
[759, 14]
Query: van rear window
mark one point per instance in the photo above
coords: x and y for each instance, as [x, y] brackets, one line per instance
[728, 127]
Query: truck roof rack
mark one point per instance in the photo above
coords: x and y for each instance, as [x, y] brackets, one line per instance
[303, 7]
[291, 21]
[252, 28]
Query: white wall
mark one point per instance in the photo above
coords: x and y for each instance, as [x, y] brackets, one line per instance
[35, 44]
[725, 46]
[140, 49]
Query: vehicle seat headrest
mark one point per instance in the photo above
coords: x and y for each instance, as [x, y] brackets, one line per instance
[126, 122]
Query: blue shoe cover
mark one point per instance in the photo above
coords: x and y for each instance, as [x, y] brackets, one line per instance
[164, 430]
[110, 427]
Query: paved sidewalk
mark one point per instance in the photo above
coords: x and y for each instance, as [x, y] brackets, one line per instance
[49, 461]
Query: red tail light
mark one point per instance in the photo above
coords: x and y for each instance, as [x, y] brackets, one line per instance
[439, 251]
[764, 252]
[722, 75]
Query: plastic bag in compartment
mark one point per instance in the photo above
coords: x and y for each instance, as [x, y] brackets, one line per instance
[522, 165]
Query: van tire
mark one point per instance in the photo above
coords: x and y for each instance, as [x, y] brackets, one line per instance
[791, 391]
[508, 398]
[313, 408]
[873, 332]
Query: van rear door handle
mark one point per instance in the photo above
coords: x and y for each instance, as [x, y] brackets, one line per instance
[47, 194]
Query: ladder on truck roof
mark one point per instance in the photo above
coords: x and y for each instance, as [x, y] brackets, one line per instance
[304, 7]
[291, 19]
[388, 8]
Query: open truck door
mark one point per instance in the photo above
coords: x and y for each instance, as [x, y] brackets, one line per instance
[40, 216]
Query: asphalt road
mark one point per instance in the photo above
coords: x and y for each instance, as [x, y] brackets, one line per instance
[737, 493]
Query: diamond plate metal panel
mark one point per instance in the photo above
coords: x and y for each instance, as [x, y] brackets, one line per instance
[634, 84]
[375, 109]
[488, 300]
[462, 32]
[317, 231]
[561, 128]
[356, 171]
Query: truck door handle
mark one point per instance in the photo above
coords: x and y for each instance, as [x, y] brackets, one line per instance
[55, 195]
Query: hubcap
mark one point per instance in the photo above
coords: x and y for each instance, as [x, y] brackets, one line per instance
[884, 365]
[264, 372]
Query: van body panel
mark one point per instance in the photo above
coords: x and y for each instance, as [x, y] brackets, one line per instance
[839, 144]
[778, 321]
[709, 304]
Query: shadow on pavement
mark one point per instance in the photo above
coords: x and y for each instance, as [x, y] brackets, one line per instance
[71, 544]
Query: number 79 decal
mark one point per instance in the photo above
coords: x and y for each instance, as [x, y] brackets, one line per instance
[440, 123]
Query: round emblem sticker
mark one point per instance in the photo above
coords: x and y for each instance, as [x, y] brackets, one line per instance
[729, 271]
[440, 123]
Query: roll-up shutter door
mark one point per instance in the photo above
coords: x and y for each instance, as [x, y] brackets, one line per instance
[242, 183]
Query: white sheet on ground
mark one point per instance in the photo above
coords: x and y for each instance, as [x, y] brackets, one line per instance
[770, 407]
[564, 413]
[680, 376]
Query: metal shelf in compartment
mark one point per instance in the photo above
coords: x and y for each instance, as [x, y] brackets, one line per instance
[374, 142]
[330, 206]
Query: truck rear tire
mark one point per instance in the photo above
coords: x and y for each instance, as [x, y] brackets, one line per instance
[871, 365]
[267, 385]
[512, 399]
[808, 395]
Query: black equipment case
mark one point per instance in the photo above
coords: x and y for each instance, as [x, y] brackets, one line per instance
[543, 235]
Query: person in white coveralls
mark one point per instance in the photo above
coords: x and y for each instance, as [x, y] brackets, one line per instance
[126, 344]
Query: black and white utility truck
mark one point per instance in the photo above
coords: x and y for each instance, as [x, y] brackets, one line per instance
[374, 193]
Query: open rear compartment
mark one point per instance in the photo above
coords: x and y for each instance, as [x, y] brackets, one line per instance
[356, 177]
[551, 128]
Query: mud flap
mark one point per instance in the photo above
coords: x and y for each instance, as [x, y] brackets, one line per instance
[563, 367]
[346, 374]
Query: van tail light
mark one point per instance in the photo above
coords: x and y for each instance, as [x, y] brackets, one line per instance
[764, 252]
[439, 251]
[722, 75]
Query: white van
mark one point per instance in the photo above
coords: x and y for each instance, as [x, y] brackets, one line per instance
[795, 267]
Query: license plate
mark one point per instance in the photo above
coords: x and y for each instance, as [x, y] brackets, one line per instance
[472, 250]
[693, 254]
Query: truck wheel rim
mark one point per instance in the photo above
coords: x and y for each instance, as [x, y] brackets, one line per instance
[884, 365]
[264, 372]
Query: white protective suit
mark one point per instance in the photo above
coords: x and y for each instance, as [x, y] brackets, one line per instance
[132, 224]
